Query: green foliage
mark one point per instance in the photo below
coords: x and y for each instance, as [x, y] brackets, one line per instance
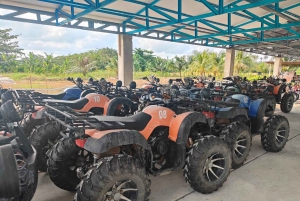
[113, 66]
[9, 51]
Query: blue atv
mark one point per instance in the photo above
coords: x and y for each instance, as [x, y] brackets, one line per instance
[274, 131]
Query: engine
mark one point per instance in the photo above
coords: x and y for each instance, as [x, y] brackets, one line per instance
[159, 143]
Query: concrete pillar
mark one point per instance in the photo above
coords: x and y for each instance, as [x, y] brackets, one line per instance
[277, 66]
[125, 60]
[229, 62]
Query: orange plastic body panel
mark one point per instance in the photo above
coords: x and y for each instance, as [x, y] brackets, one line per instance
[217, 98]
[80, 143]
[38, 107]
[175, 125]
[7, 134]
[209, 115]
[276, 89]
[99, 134]
[147, 86]
[160, 116]
[199, 85]
[95, 100]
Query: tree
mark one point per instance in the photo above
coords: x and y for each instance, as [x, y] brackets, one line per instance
[84, 64]
[113, 66]
[9, 63]
[142, 59]
[217, 61]
[158, 64]
[102, 57]
[8, 43]
[9, 49]
[242, 61]
[199, 63]
[179, 63]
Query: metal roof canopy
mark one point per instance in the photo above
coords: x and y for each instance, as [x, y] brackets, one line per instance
[286, 63]
[270, 27]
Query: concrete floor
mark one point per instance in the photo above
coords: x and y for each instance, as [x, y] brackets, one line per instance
[265, 176]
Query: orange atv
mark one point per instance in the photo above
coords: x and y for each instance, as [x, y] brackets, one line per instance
[46, 135]
[282, 93]
[114, 155]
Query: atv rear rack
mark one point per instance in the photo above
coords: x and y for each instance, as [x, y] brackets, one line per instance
[78, 121]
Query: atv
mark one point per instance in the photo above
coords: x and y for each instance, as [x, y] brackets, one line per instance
[281, 92]
[18, 174]
[234, 120]
[47, 132]
[116, 154]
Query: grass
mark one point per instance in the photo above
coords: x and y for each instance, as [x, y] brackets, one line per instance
[55, 83]
[96, 75]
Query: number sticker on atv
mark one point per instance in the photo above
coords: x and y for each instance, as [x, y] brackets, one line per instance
[97, 99]
[245, 99]
[162, 114]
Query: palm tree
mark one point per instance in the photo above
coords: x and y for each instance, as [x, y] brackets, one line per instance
[200, 63]
[159, 64]
[217, 61]
[113, 66]
[48, 64]
[31, 62]
[179, 63]
[242, 61]
[84, 64]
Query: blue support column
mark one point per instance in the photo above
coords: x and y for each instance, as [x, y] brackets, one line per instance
[196, 29]
[262, 32]
[179, 10]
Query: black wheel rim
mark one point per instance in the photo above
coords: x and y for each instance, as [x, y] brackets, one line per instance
[240, 147]
[125, 190]
[281, 134]
[290, 103]
[48, 146]
[81, 160]
[214, 167]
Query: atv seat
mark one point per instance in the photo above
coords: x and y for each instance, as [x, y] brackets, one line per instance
[135, 122]
[55, 96]
[76, 104]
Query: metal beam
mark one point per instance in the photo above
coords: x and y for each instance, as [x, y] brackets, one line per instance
[201, 16]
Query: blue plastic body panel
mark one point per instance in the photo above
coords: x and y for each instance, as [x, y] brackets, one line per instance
[254, 107]
[245, 101]
[72, 93]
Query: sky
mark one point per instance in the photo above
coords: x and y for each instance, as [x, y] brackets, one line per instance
[63, 41]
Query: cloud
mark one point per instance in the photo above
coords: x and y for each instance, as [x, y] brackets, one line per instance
[168, 49]
[63, 41]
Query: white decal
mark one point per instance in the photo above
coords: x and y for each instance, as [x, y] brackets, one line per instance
[245, 99]
[162, 114]
[97, 99]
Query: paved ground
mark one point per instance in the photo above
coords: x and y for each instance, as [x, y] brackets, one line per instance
[265, 176]
[5, 80]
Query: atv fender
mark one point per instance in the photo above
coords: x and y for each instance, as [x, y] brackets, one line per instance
[258, 108]
[181, 125]
[160, 116]
[257, 112]
[94, 101]
[102, 141]
[110, 106]
[179, 132]
[278, 92]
